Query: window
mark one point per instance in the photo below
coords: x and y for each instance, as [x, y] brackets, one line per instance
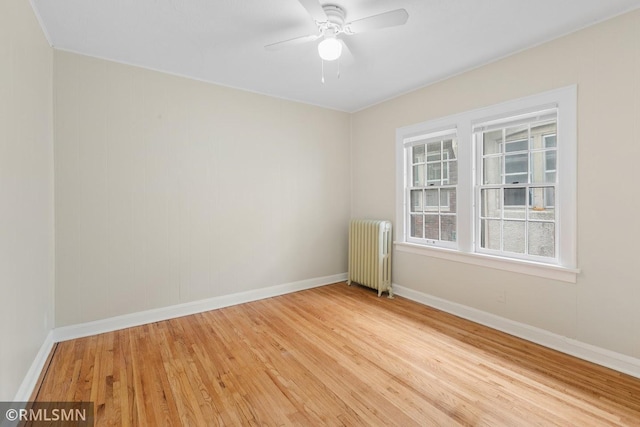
[433, 168]
[494, 186]
[516, 213]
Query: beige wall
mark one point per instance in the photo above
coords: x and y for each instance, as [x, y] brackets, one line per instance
[170, 190]
[26, 192]
[603, 307]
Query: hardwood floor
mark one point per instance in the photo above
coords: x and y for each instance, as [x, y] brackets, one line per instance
[334, 355]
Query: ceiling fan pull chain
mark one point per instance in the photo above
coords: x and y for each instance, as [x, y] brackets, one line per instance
[338, 68]
[322, 62]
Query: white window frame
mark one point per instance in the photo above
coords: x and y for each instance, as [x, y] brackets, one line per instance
[408, 144]
[535, 117]
[564, 267]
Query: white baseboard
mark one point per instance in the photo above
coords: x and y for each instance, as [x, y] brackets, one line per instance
[610, 359]
[141, 318]
[31, 378]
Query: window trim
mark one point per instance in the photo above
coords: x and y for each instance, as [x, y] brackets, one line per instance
[547, 271]
[565, 100]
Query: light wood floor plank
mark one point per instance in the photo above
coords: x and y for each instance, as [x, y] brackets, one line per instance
[334, 355]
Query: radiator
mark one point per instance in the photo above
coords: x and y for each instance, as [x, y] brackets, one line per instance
[370, 254]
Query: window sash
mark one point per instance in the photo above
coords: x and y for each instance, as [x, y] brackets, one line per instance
[501, 235]
[431, 161]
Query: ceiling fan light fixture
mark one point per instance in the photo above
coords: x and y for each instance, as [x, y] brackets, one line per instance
[330, 49]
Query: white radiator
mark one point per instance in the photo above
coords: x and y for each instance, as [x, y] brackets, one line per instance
[370, 254]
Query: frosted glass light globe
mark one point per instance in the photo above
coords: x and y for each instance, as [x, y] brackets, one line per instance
[330, 49]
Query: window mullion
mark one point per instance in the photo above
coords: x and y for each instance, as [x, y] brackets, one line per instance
[527, 202]
[502, 219]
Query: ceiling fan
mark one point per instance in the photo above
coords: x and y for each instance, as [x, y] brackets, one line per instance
[330, 20]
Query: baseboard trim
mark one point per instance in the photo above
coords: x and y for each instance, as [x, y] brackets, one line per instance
[610, 359]
[165, 313]
[31, 378]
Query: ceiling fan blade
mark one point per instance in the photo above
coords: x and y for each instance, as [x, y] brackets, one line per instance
[347, 57]
[315, 10]
[386, 19]
[292, 42]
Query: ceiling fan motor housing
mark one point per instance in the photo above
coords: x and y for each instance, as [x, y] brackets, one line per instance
[335, 16]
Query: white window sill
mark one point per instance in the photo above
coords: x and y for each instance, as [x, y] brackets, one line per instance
[554, 272]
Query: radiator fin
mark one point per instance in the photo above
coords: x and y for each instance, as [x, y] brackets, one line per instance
[370, 254]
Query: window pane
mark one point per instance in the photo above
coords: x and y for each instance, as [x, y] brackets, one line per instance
[431, 201]
[448, 228]
[544, 128]
[418, 154]
[490, 234]
[520, 145]
[514, 236]
[541, 202]
[448, 200]
[418, 176]
[544, 133]
[417, 204]
[516, 163]
[516, 169]
[432, 227]
[550, 197]
[433, 151]
[416, 226]
[490, 200]
[452, 172]
[492, 142]
[515, 212]
[450, 149]
[542, 239]
[550, 160]
[541, 163]
[537, 198]
[517, 138]
[433, 173]
[492, 170]
[515, 197]
[550, 141]
[551, 177]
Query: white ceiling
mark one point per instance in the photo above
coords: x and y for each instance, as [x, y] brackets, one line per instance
[222, 41]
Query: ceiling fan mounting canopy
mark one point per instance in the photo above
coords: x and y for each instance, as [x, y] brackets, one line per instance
[335, 17]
